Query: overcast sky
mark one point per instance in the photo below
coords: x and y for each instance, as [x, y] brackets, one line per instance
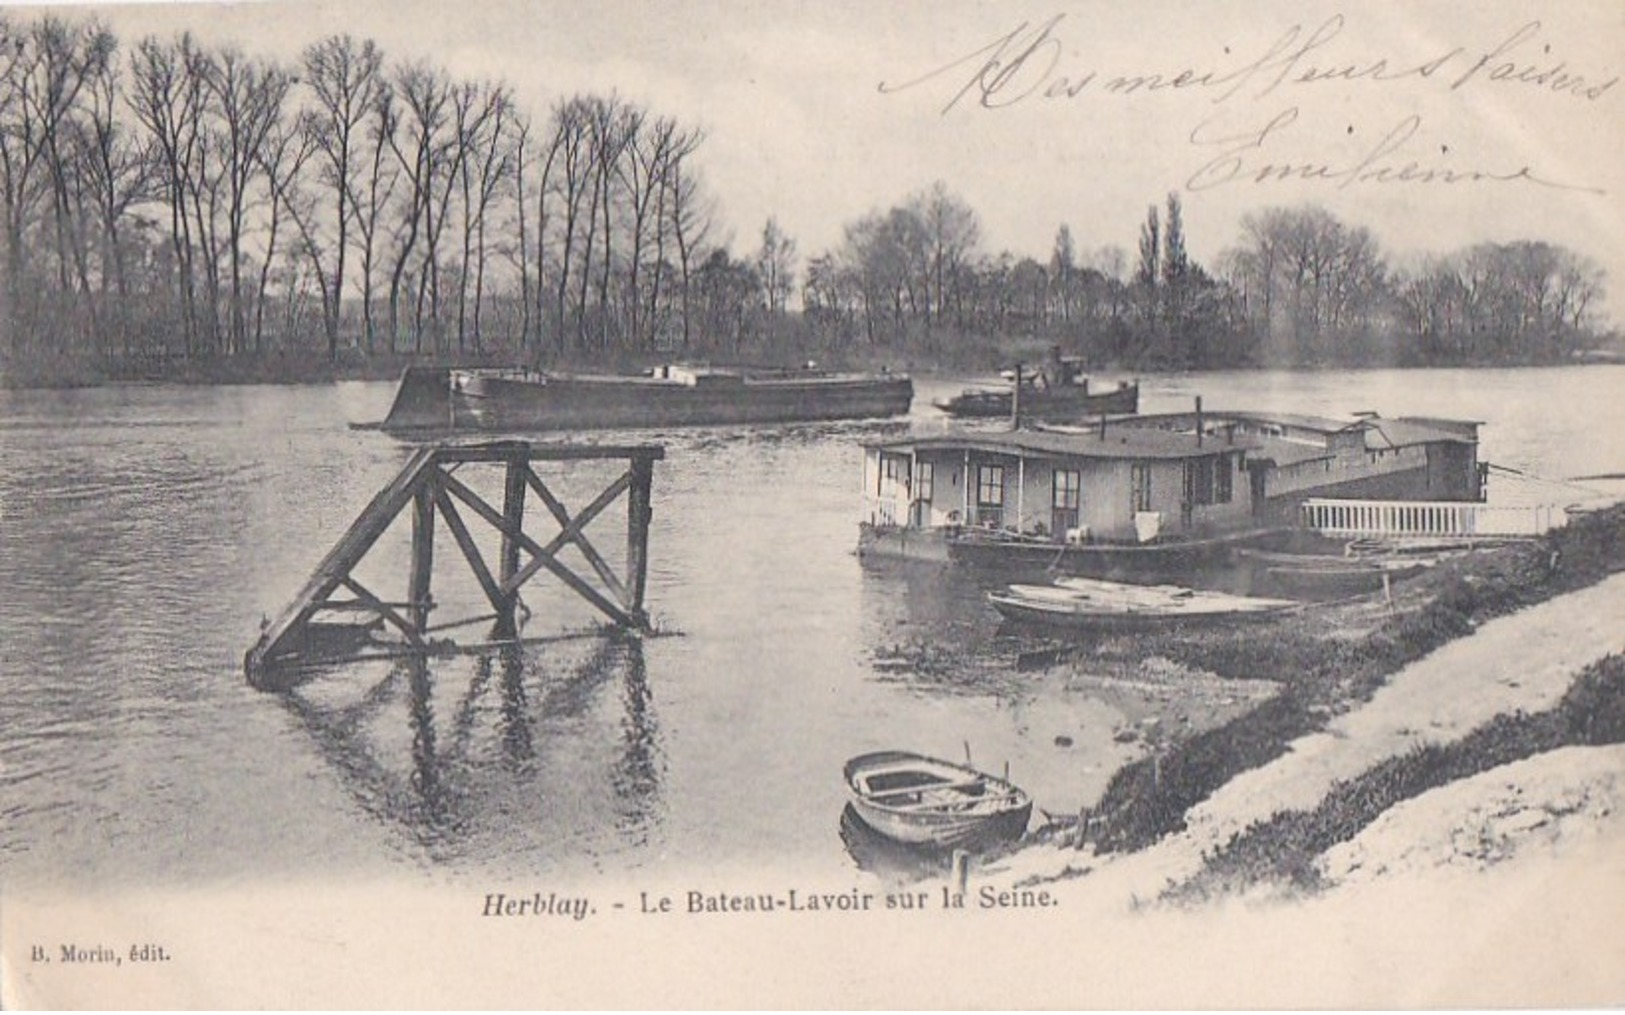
[812, 116]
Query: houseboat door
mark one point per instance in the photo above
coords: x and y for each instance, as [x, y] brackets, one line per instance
[1066, 501]
[1187, 496]
[919, 509]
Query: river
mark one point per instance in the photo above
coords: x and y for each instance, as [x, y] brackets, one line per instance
[146, 531]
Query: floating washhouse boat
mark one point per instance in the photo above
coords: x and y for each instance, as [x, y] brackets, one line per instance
[926, 802]
[522, 400]
[1059, 390]
[1144, 496]
[1092, 604]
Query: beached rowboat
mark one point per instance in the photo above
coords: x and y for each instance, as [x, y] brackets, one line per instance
[926, 802]
[1091, 603]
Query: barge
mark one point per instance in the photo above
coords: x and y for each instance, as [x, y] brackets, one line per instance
[523, 400]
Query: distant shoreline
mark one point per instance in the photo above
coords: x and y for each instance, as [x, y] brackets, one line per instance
[318, 369]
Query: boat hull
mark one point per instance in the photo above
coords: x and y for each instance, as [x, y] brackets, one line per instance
[1171, 559]
[928, 803]
[502, 403]
[1052, 402]
[1076, 617]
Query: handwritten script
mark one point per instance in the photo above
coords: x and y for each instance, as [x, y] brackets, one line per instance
[1028, 65]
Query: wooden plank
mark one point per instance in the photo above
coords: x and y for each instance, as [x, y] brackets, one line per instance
[504, 451]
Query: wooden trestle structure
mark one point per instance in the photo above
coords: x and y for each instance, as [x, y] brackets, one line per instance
[428, 488]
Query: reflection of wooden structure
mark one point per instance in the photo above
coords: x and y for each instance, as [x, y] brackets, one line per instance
[428, 488]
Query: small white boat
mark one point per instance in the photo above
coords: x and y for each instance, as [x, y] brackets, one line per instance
[926, 802]
[1093, 603]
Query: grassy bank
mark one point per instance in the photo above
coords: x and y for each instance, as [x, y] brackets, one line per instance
[1287, 847]
[1329, 660]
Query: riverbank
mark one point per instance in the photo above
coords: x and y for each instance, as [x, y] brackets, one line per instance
[314, 366]
[1399, 742]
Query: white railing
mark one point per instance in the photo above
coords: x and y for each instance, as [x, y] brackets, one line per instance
[1428, 518]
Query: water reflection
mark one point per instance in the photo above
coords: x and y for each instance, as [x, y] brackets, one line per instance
[885, 859]
[506, 750]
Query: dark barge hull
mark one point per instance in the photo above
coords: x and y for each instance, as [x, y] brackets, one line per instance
[1124, 400]
[491, 402]
[1173, 558]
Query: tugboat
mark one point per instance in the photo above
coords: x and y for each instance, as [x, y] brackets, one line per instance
[1060, 390]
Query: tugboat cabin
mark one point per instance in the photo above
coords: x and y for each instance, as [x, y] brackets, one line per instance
[1126, 484]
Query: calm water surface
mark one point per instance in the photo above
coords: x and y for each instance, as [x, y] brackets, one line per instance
[146, 531]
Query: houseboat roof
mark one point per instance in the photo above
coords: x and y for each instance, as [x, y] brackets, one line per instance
[1405, 430]
[1400, 433]
[1119, 442]
[1284, 452]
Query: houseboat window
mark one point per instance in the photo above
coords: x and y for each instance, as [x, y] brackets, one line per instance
[923, 477]
[990, 485]
[1067, 484]
[889, 472]
[1066, 498]
[1223, 481]
[990, 495]
[1141, 476]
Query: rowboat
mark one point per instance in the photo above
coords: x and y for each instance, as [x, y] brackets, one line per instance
[1092, 603]
[926, 802]
[1322, 573]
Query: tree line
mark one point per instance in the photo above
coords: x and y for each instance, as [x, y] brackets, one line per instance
[1298, 287]
[172, 200]
[194, 201]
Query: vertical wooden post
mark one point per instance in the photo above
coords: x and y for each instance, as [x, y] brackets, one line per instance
[513, 511]
[1015, 401]
[639, 511]
[417, 592]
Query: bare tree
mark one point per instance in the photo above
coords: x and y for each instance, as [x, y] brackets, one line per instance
[248, 99]
[776, 266]
[346, 79]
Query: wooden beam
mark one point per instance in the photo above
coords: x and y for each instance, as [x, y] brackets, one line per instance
[418, 582]
[407, 627]
[513, 509]
[639, 511]
[573, 527]
[471, 552]
[542, 558]
[571, 530]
